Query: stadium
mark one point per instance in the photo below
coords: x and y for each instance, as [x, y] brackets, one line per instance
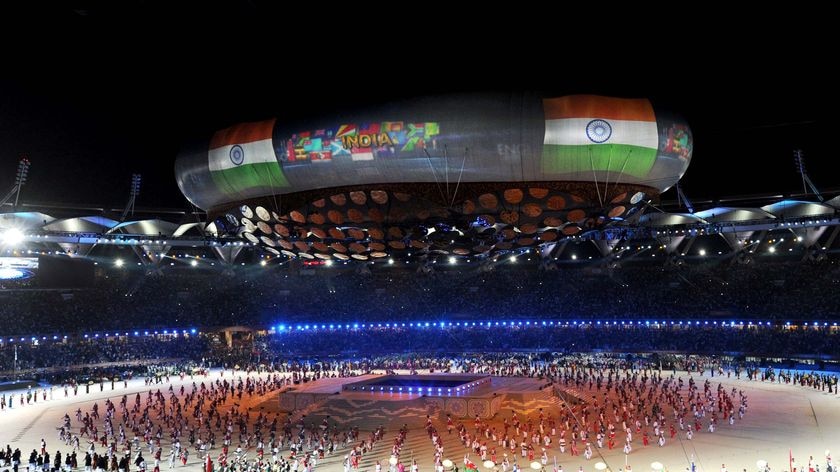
[471, 280]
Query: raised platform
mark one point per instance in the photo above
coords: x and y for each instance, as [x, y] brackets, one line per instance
[430, 385]
[458, 395]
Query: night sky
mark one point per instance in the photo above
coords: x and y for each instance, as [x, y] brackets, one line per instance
[95, 94]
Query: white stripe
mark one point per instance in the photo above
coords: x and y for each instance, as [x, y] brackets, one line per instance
[254, 153]
[572, 131]
[362, 156]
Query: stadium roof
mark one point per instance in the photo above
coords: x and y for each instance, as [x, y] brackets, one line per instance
[812, 226]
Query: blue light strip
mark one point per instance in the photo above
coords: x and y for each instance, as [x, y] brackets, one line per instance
[423, 325]
[290, 328]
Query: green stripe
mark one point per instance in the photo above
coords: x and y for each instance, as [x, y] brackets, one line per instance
[249, 177]
[568, 159]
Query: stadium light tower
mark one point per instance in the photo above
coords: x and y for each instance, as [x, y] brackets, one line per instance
[20, 181]
[799, 160]
[135, 191]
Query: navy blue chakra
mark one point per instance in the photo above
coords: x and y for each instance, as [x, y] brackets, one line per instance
[598, 131]
[237, 155]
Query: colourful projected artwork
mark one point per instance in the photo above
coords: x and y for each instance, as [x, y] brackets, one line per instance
[360, 142]
[676, 141]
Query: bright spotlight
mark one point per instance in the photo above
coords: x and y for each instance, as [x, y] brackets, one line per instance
[772, 249]
[390, 261]
[452, 260]
[574, 257]
[193, 262]
[263, 263]
[119, 262]
[702, 252]
[12, 237]
[328, 263]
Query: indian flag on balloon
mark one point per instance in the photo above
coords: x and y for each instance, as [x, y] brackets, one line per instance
[585, 133]
[242, 158]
